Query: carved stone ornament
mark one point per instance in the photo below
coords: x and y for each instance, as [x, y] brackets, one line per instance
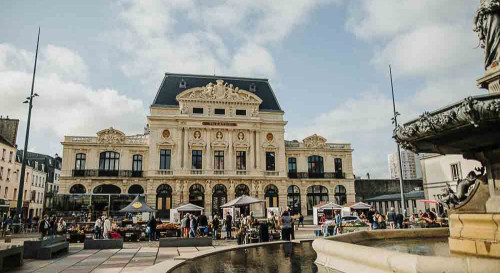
[241, 143]
[110, 136]
[315, 141]
[220, 91]
[466, 188]
[166, 134]
[196, 140]
[219, 135]
[472, 111]
[269, 137]
[487, 26]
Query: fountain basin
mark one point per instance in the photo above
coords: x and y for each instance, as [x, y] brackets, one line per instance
[346, 254]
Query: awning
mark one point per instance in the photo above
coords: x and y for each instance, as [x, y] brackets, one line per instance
[137, 206]
[189, 207]
[243, 200]
[428, 201]
[360, 205]
[329, 205]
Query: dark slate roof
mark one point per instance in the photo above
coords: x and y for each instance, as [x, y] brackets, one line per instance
[397, 196]
[169, 88]
[6, 142]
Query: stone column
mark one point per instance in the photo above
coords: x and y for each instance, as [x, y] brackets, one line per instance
[208, 156]
[257, 150]
[303, 202]
[208, 201]
[186, 150]
[250, 157]
[230, 152]
[230, 190]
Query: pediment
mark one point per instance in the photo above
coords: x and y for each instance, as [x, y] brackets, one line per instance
[315, 141]
[111, 136]
[220, 91]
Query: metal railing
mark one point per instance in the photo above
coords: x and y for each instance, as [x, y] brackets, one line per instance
[310, 175]
[106, 173]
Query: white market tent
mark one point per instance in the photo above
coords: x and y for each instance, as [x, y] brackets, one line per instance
[241, 201]
[360, 205]
[175, 214]
[324, 206]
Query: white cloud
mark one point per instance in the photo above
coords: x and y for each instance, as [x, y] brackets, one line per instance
[234, 37]
[66, 105]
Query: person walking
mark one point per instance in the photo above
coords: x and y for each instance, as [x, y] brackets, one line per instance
[107, 228]
[215, 227]
[192, 226]
[301, 219]
[229, 226]
[399, 220]
[152, 228]
[338, 223]
[44, 226]
[203, 224]
[286, 226]
[97, 228]
[370, 215]
[391, 217]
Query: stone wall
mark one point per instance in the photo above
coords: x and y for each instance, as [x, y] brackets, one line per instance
[368, 188]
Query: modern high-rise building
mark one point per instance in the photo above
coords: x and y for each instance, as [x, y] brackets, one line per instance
[409, 165]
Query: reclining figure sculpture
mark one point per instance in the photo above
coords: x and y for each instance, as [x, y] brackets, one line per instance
[450, 199]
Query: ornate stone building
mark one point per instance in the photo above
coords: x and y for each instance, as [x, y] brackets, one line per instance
[208, 140]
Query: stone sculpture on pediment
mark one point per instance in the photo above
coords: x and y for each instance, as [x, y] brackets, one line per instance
[110, 136]
[487, 25]
[315, 141]
[219, 92]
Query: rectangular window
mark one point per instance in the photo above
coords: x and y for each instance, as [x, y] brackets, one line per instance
[455, 171]
[3, 154]
[219, 160]
[6, 192]
[165, 155]
[220, 111]
[241, 160]
[241, 112]
[1, 173]
[270, 161]
[14, 195]
[197, 160]
[10, 156]
[197, 110]
[80, 162]
[8, 174]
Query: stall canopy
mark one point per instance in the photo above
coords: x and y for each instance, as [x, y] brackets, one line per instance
[329, 205]
[138, 205]
[241, 201]
[360, 205]
[189, 207]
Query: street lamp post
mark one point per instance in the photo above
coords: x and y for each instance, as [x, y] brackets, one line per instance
[29, 100]
[395, 122]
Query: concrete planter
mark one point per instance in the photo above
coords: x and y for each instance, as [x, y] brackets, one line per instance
[103, 244]
[184, 242]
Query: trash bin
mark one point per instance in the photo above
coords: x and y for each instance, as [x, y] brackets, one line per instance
[264, 232]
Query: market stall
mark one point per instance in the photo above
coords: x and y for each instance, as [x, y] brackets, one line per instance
[249, 232]
[133, 229]
[325, 208]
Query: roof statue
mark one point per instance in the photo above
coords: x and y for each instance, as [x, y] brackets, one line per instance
[487, 25]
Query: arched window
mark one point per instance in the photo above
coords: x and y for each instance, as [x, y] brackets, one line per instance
[340, 195]
[293, 199]
[219, 198]
[77, 188]
[338, 168]
[137, 166]
[107, 189]
[315, 195]
[136, 189]
[197, 195]
[109, 163]
[163, 200]
[79, 165]
[315, 164]
[271, 196]
[241, 189]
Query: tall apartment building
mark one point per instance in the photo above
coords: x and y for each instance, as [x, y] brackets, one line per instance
[409, 165]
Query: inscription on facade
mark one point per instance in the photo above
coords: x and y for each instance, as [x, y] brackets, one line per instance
[218, 123]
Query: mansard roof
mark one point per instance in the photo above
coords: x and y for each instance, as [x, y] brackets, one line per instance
[171, 87]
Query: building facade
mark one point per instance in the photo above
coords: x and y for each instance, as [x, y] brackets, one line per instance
[409, 165]
[208, 140]
[440, 170]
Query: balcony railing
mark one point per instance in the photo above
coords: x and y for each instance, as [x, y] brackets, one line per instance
[106, 173]
[309, 175]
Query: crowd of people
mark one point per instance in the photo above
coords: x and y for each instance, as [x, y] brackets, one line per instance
[396, 220]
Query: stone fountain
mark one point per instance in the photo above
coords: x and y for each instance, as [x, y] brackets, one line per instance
[470, 127]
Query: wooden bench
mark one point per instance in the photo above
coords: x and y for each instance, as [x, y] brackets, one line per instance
[10, 256]
[45, 248]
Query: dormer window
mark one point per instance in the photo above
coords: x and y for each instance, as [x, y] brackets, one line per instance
[241, 112]
[197, 110]
[220, 111]
[182, 84]
[252, 88]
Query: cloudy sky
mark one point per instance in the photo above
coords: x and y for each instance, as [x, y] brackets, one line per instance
[101, 62]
